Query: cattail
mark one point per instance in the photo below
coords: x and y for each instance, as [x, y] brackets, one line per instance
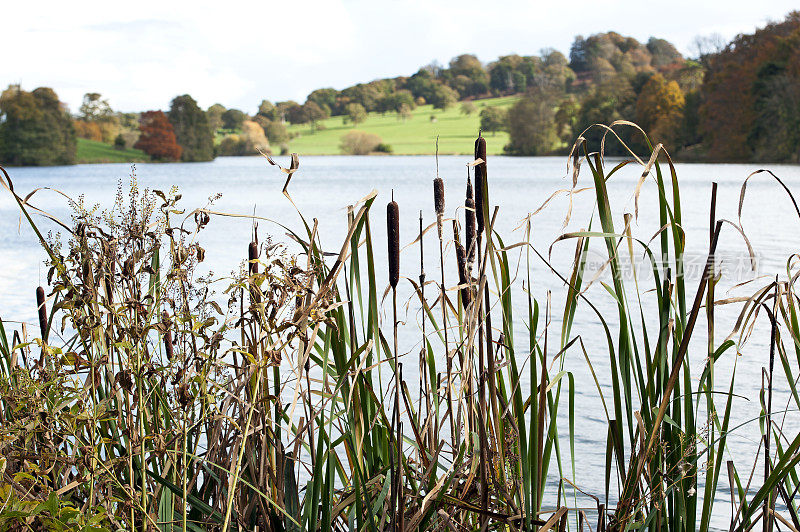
[438, 195]
[42, 312]
[165, 321]
[438, 203]
[469, 228]
[393, 237]
[252, 268]
[480, 178]
[461, 261]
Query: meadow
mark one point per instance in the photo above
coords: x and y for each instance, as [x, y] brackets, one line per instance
[92, 151]
[414, 136]
[139, 401]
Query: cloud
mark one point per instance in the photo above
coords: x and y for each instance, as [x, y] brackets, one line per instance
[241, 51]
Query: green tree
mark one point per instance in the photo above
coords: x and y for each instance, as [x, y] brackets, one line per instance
[233, 119]
[493, 119]
[191, 129]
[35, 129]
[356, 113]
[532, 125]
[94, 108]
[214, 117]
[468, 108]
[315, 112]
[442, 97]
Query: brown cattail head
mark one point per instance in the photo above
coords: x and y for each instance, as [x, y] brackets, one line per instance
[252, 257]
[393, 237]
[480, 181]
[469, 228]
[167, 324]
[42, 312]
[438, 195]
[438, 203]
[461, 261]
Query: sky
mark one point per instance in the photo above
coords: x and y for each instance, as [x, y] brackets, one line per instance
[238, 52]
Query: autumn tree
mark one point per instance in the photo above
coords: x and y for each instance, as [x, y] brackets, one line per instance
[314, 112]
[88, 130]
[157, 137]
[35, 128]
[191, 129]
[95, 109]
[659, 110]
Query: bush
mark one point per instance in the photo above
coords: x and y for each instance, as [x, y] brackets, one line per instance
[359, 143]
[119, 142]
[383, 148]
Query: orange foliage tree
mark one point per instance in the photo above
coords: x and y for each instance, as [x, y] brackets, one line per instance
[88, 130]
[158, 137]
[659, 110]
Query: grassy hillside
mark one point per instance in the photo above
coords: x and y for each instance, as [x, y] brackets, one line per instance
[415, 136]
[91, 151]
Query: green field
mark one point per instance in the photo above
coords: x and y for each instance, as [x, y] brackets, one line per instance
[91, 151]
[415, 136]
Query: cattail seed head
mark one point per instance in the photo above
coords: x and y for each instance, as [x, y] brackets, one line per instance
[461, 260]
[438, 195]
[167, 324]
[393, 238]
[252, 257]
[469, 229]
[42, 312]
[480, 178]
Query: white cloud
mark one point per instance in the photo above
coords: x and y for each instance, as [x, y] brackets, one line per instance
[237, 52]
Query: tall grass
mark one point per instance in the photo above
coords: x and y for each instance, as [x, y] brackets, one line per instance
[144, 402]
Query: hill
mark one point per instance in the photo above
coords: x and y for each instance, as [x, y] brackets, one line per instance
[414, 136]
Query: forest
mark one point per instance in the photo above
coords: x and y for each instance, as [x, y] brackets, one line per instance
[734, 101]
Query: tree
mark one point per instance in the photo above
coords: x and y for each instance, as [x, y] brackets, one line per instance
[295, 113]
[531, 124]
[404, 113]
[315, 113]
[659, 110]
[157, 137]
[191, 129]
[324, 98]
[35, 128]
[88, 130]
[94, 108]
[493, 119]
[442, 97]
[214, 117]
[359, 143]
[233, 119]
[267, 110]
[468, 108]
[356, 113]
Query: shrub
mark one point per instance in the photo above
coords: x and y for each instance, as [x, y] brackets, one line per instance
[359, 143]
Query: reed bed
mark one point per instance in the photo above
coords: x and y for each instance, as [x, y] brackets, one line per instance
[145, 402]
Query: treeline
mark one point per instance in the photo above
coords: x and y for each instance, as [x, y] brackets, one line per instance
[733, 101]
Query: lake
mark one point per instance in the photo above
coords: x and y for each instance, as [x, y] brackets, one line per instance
[324, 186]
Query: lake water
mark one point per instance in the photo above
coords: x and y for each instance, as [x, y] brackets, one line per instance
[324, 186]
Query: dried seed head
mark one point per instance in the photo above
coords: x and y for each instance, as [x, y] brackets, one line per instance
[167, 323]
[42, 312]
[461, 260]
[480, 179]
[252, 257]
[393, 237]
[469, 228]
[438, 195]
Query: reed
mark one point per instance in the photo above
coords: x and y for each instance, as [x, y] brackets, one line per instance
[155, 406]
